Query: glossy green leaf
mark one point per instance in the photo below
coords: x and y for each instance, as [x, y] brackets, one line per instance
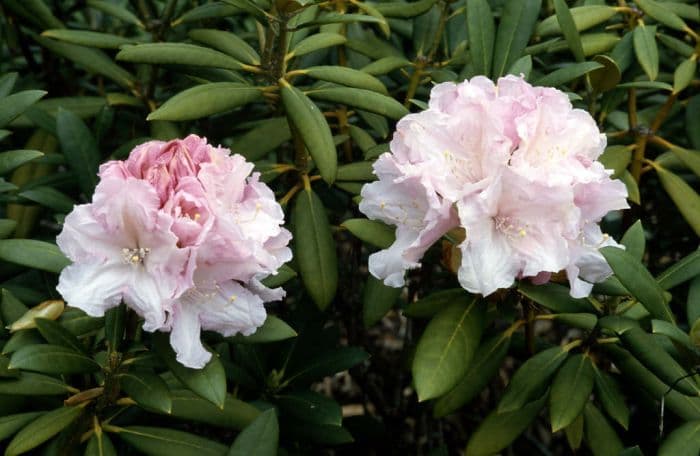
[361, 99]
[42, 429]
[339, 18]
[56, 334]
[346, 76]
[310, 124]
[178, 54]
[329, 363]
[52, 359]
[682, 271]
[312, 407]
[15, 104]
[582, 320]
[683, 441]
[7, 82]
[481, 31]
[228, 43]
[684, 74]
[645, 49]
[693, 307]
[637, 279]
[89, 38]
[385, 65]
[115, 10]
[273, 330]
[568, 29]
[692, 111]
[683, 195]
[356, 171]
[606, 78]
[646, 85]
[690, 158]
[574, 432]
[377, 300]
[662, 14]
[315, 248]
[157, 441]
[498, 430]
[261, 437]
[571, 388]
[608, 393]
[34, 254]
[266, 136]
[100, 445]
[567, 73]
[584, 18]
[31, 384]
[531, 378]
[80, 149]
[316, 42]
[554, 297]
[446, 347]
[49, 197]
[206, 100]
[671, 331]
[235, 414]
[373, 232]
[115, 320]
[10, 424]
[522, 66]
[284, 273]
[14, 158]
[404, 9]
[208, 382]
[616, 158]
[482, 369]
[634, 240]
[600, 437]
[631, 185]
[147, 389]
[517, 24]
[428, 306]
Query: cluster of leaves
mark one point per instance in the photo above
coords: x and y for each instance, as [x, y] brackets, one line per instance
[308, 91]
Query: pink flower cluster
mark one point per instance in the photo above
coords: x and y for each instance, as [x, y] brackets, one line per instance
[515, 167]
[182, 233]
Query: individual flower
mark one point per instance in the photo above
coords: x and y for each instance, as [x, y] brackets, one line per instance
[514, 167]
[183, 233]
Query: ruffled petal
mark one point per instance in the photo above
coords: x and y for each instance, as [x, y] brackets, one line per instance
[185, 337]
[92, 287]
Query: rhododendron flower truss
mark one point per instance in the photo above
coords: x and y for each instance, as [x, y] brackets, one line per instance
[511, 164]
[183, 233]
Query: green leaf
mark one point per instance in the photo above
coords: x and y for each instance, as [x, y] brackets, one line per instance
[571, 388]
[568, 28]
[646, 85]
[584, 18]
[634, 240]
[284, 273]
[273, 330]
[616, 158]
[49, 197]
[147, 389]
[610, 397]
[93, 60]
[7, 227]
[12, 423]
[606, 78]
[498, 430]
[314, 248]
[684, 74]
[631, 185]
[42, 429]
[326, 364]
[15, 104]
[517, 24]
[446, 348]
[52, 359]
[339, 18]
[33, 254]
[683, 441]
[484, 366]
[356, 171]
[207, 11]
[481, 32]
[30, 384]
[574, 432]
[228, 43]
[361, 99]
[316, 42]
[208, 382]
[115, 319]
[100, 445]
[682, 271]
[521, 66]
[266, 136]
[645, 48]
[310, 124]
[206, 100]
[372, 232]
[7, 82]
[554, 297]
[377, 300]
[311, 407]
[690, 158]
[346, 76]
[14, 158]
[432, 304]
[157, 441]
[178, 54]
[89, 38]
[635, 277]
[567, 73]
[693, 307]
[531, 378]
[404, 9]
[115, 10]
[385, 65]
[662, 14]
[56, 334]
[600, 436]
[261, 437]
[80, 149]
[236, 414]
[683, 195]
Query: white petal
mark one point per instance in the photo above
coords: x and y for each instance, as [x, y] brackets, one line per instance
[185, 337]
[92, 287]
[146, 297]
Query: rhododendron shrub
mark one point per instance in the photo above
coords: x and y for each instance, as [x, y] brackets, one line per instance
[416, 227]
[514, 166]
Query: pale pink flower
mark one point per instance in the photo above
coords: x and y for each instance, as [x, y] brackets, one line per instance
[513, 165]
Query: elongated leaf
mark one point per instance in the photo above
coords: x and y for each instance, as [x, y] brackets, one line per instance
[31, 384]
[52, 359]
[42, 429]
[228, 43]
[635, 277]
[482, 33]
[208, 382]
[13, 423]
[310, 124]
[206, 100]
[371, 231]
[115, 10]
[14, 158]
[571, 388]
[404, 9]
[236, 414]
[690, 158]
[272, 330]
[347, 77]
[377, 300]
[446, 348]
[385, 65]
[685, 198]
[49, 197]
[260, 437]
[554, 297]
[517, 24]
[7, 82]
[568, 73]
[634, 240]
[147, 389]
[600, 436]
[482, 369]
[316, 42]
[610, 397]
[115, 319]
[683, 441]
[326, 364]
[684, 74]
[15, 104]
[530, 379]
[315, 248]
[89, 38]
[584, 18]
[645, 49]
[284, 274]
[100, 445]
[362, 99]
[178, 54]
[616, 158]
[157, 441]
[498, 430]
[662, 14]
[430, 305]
[574, 433]
[682, 271]
[80, 148]
[56, 334]
[568, 28]
[33, 254]
[260, 140]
